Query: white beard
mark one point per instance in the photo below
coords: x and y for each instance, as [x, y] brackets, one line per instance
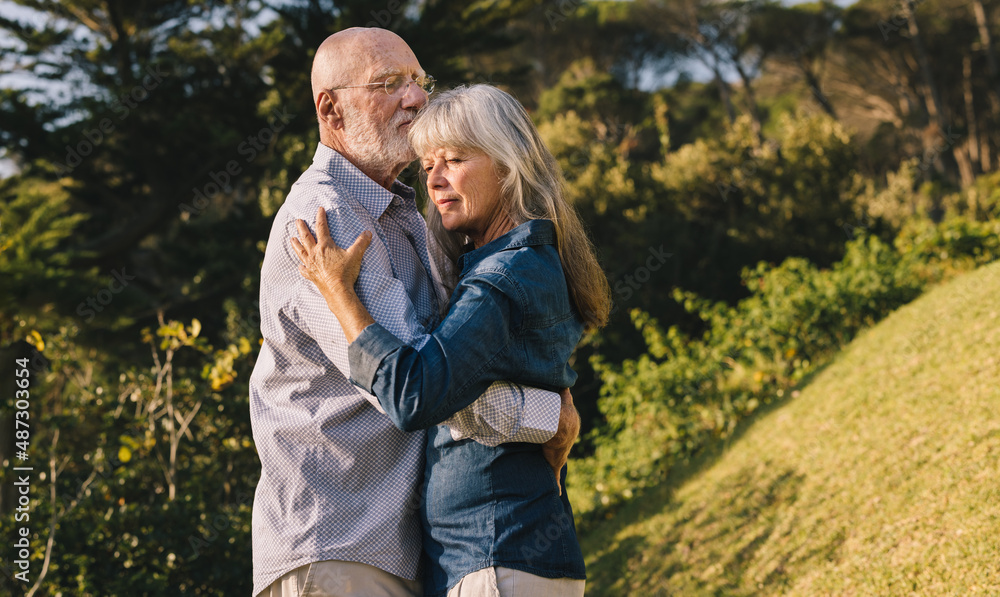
[376, 147]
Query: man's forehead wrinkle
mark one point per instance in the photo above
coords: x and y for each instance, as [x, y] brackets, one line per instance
[356, 64]
[387, 71]
[398, 59]
[393, 54]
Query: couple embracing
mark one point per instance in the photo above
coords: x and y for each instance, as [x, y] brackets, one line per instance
[410, 403]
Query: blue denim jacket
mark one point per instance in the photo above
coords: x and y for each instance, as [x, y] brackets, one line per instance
[510, 318]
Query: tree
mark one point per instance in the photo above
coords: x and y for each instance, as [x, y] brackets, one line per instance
[798, 36]
[715, 34]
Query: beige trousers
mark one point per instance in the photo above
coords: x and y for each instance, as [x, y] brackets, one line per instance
[334, 578]
[506, 582]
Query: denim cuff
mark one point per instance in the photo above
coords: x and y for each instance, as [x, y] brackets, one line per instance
[367, 352]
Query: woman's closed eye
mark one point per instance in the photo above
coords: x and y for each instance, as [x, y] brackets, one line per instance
[430, 166]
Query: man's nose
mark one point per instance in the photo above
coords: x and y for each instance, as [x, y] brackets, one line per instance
[413, 96]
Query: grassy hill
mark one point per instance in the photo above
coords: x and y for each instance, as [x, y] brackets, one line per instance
[880, 477]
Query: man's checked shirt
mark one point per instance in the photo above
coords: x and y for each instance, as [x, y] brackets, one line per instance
[338, 480]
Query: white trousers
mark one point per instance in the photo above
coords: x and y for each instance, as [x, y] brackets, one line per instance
[334, 578]
[506, 582]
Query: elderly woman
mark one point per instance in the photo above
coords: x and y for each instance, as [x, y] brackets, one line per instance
[496, 521]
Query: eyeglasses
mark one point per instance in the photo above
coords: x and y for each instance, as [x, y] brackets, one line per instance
[396, 82]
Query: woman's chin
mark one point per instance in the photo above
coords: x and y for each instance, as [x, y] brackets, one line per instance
[451, 226]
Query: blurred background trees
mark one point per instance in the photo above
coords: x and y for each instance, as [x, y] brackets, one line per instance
[761, 180]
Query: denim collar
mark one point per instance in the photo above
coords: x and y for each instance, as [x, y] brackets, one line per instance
[531, 233]
[370, 194]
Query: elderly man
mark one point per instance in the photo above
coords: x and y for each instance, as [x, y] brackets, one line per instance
[335, 512]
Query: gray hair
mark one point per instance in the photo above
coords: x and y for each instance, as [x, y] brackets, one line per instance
[487, 119]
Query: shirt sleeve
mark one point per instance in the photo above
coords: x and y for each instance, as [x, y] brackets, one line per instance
[507, 413]
[423, 383]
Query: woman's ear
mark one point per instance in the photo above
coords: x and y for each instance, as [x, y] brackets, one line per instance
[503, 175]
[501, 170]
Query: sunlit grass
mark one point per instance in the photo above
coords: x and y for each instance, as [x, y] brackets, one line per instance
[882, 477]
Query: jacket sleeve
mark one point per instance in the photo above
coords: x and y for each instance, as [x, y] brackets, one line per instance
[423, 383]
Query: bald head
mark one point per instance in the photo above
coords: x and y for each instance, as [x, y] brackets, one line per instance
[349, 56]
[363, 123]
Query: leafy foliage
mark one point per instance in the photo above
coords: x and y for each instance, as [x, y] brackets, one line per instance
[36, 220]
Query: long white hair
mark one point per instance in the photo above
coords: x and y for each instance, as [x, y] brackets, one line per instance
[487, 119]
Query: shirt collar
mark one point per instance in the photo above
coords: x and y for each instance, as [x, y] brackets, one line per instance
[531, 233]
[370, 194]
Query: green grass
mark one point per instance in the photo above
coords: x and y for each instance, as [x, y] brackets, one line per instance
[881, 477]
